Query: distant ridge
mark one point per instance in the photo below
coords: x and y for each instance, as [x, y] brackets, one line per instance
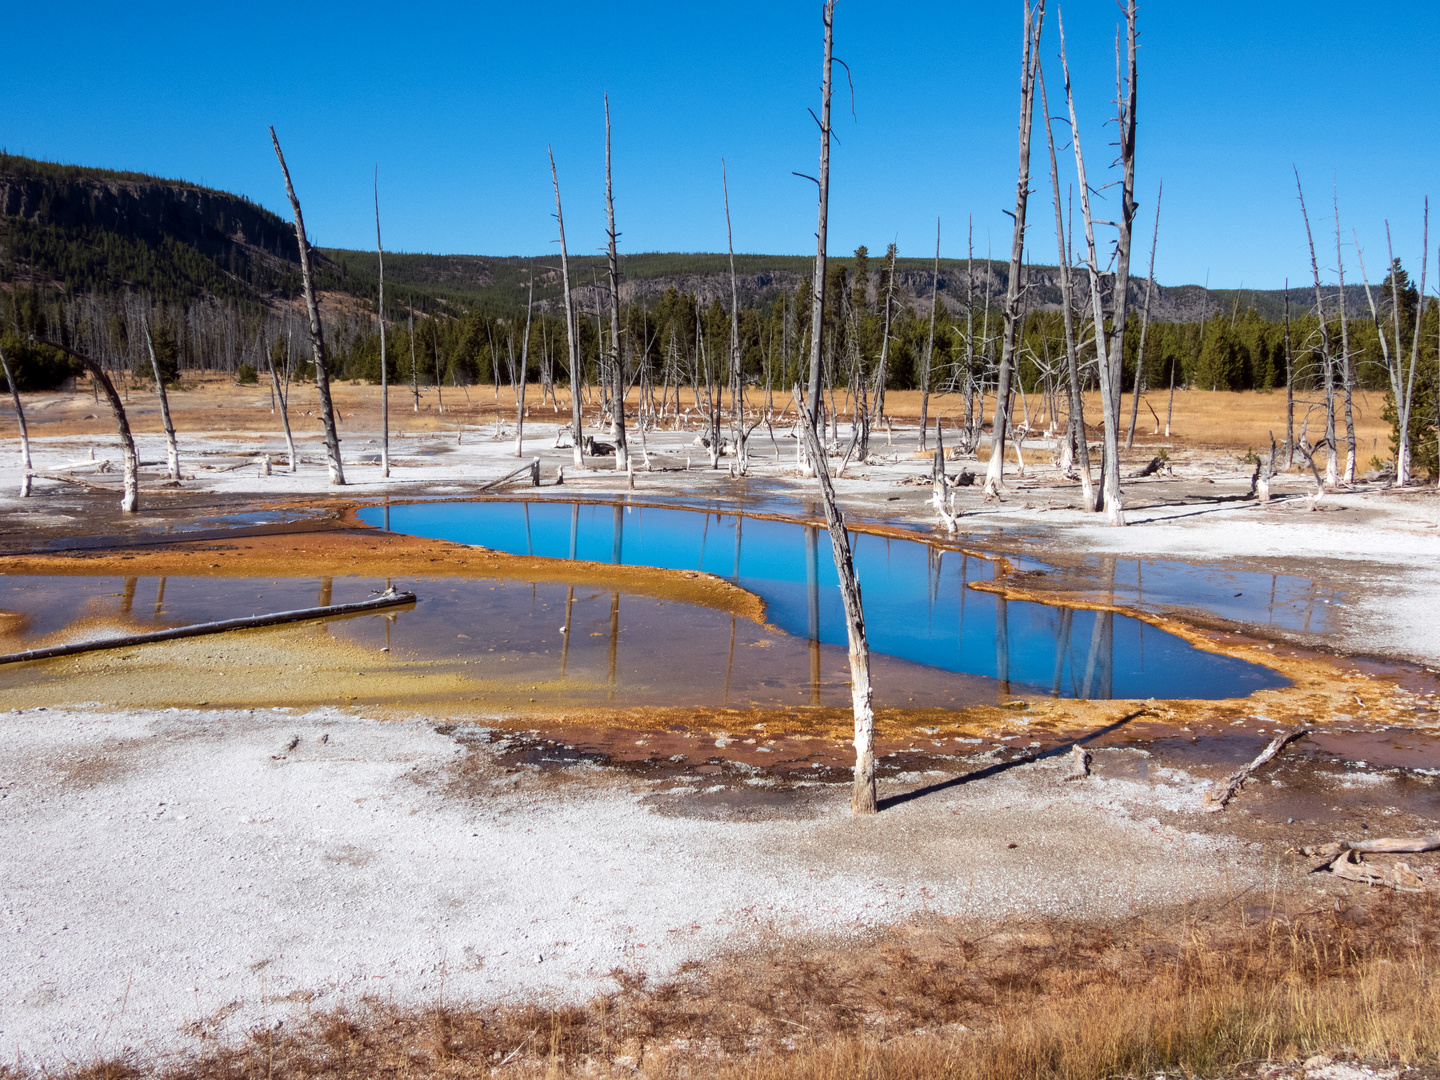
[105, 231]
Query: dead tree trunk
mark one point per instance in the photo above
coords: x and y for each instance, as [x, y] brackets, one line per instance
[878, 406]
[1144, 325]
[283, 395]
[737, 374]
[317, 336]
[1110, 353]
[1327, 359]
[575, 373]
[1067, 292]
[1289, 385]
[862, 794]
[384, 362]
[929, 344]
[817, 291]
[1347, 369]
[130, 501]
[994, 475]
[172, 451]
[25, 463]
[617, 366]
[524, 370]
[414, 366]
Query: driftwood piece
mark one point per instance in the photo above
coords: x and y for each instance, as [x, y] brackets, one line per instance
[385, 600]
[1217, 800]
[1349, 864]
[1376, 847]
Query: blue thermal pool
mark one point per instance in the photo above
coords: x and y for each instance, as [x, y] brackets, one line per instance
[917, 605]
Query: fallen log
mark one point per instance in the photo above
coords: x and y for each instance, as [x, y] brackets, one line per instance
[1215, 802]
[384, 600]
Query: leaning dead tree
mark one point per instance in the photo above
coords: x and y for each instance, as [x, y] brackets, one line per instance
[576, 374]
[817, 288]
[617, 362]
[25, 464]
[317, 334]
[1077, 437]
[862, 794]
[1144, 326]
[1029, 63]
[384, 362]
[130, 500]
[172, 450]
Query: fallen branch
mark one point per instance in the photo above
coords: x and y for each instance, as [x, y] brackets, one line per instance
[66, 478]
[1376, 847]
[1215, 802]
[531, 467]
[385, 600]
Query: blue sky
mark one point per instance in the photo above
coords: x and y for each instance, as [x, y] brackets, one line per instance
[456, 105]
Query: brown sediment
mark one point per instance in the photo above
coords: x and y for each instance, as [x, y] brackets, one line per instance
[370, 552]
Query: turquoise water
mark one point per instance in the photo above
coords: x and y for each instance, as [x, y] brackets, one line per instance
[917, 605]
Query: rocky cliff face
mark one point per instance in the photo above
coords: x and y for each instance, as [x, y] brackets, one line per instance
[212, 222]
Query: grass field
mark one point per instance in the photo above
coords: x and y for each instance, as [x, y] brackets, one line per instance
[1202, 419]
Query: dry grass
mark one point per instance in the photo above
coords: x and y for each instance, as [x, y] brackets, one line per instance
[1050, 1002]
[1203, 419]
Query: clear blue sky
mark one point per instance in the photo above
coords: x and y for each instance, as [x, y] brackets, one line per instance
[456, 105]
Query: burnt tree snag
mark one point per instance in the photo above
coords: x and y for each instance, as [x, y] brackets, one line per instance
[317, 333]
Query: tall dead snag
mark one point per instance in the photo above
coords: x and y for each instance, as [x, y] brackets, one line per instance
[130, 500]
[25, 464]
[1144, 326]
[317, 335]
[817, 291]
[994, 475]
[878, 399]
[1327, 359]
[1110, 352]
[862, 795]
[737, 374]
[617, 365]
[519, 378]
[384, 362]
[1067, 292]
[576, 375]
[172, 450]
[928, 368]
[1401, 386]
[1347, 369]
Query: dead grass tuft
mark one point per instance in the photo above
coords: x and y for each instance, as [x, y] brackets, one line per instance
[1204, 995]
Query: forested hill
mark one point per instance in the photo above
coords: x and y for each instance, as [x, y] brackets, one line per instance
[95, 231]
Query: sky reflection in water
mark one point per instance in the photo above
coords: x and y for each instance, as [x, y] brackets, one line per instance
[916, 604]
